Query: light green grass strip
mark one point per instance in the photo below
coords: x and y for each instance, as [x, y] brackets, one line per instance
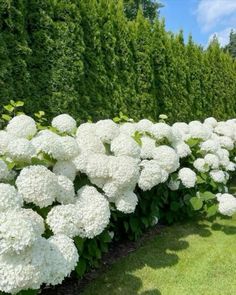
[185, 259]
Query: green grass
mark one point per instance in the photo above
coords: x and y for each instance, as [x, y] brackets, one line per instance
[185, 259]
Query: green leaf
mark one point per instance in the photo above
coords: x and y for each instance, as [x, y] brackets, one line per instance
[105, 237]
[81, 267]
[79, 243]
[6, 117]
[207, 196]
[134, 224]
[196, 203]
[193, 141]
[19, 103]
[174, 206]
[200, 180]
[212, 210]
[9, 108]
[13, 102]
[116, 119]
[126, 225]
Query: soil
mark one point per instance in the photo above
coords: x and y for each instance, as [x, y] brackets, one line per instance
[73, 286]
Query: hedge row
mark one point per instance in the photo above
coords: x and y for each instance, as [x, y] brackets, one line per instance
[88, 59]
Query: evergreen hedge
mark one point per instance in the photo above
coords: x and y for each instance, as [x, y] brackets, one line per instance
[88, 59]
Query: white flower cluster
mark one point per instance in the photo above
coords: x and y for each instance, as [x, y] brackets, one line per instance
[41, 169]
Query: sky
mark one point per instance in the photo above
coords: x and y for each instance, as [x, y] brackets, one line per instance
[201, 18]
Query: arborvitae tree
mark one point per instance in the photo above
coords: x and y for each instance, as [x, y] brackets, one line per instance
[231, 47]
[142, 46]
[150, 8]
[14, 49]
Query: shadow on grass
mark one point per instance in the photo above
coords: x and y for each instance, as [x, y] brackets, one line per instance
[154, 252]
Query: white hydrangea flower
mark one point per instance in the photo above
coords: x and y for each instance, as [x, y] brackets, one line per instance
[22, 126]
[19, 229]
[212, 161]
[211, 122]
[210, 146]
[37, 185]
[5, 139]
[144, 125]
[148, 145]
[218, 176]
[124, 171]
[161, 131]
[198, 130]
[61, 259]
[66, 168]
[227, 204]
[182, 149]
[4, 172]
[86, 129]
[226, 142]
[188, 177]
[127, 202]
[151, 175]
[128, 128]
[124, 145]
[90, 143]
[66, 192]
[21, 149]
[94, 210]
[231, 167]
[182, 127]
[201, 165]
[167, 158]
[9, 198]
[64, 123]
[65, 219]
[224, 128]
[176, 136]
[24, 271]
[106, 130]
[173, 185]
[46, 141]
[223, 155]
[67, 148]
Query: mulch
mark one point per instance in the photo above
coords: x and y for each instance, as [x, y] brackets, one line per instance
[73, 286]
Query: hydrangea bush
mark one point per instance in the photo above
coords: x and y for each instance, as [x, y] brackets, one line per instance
[67, 191]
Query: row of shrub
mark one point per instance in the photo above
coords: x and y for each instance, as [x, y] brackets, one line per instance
[87, 58]
[67, 192]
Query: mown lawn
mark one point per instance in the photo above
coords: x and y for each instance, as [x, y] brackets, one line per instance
[185, 259]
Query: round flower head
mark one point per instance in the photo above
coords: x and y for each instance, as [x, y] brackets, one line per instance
[210, 121]
[144, 125]
[9, 198]
[128, 128]
[227, 204]
[64, 219]
[4, 172]
[5, 139]
[224, 128]
[127, 202]
[124, 145]
[90, 143]
[21, 150]
[61, 259]
[67, 148]
[106, 130]
[66, 192]
[160, 131]
[212, 161]
[37, 185]
[85, 129]
[46, 141]
[24, 271]
[19, 230]
[188, 177]
[64, 123]
[147, 147]
[167, 158]
[210, 146]
[22, 126]
[173, 185]
[182, 127]
[226, 142]
[151, 175]
[198, 130]
[218, 176]
[231, 167]
[94, 211]
[201, 165]
[66, 168]
[182, 149]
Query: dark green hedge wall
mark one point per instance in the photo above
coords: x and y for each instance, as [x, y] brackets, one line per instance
[86, 58]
